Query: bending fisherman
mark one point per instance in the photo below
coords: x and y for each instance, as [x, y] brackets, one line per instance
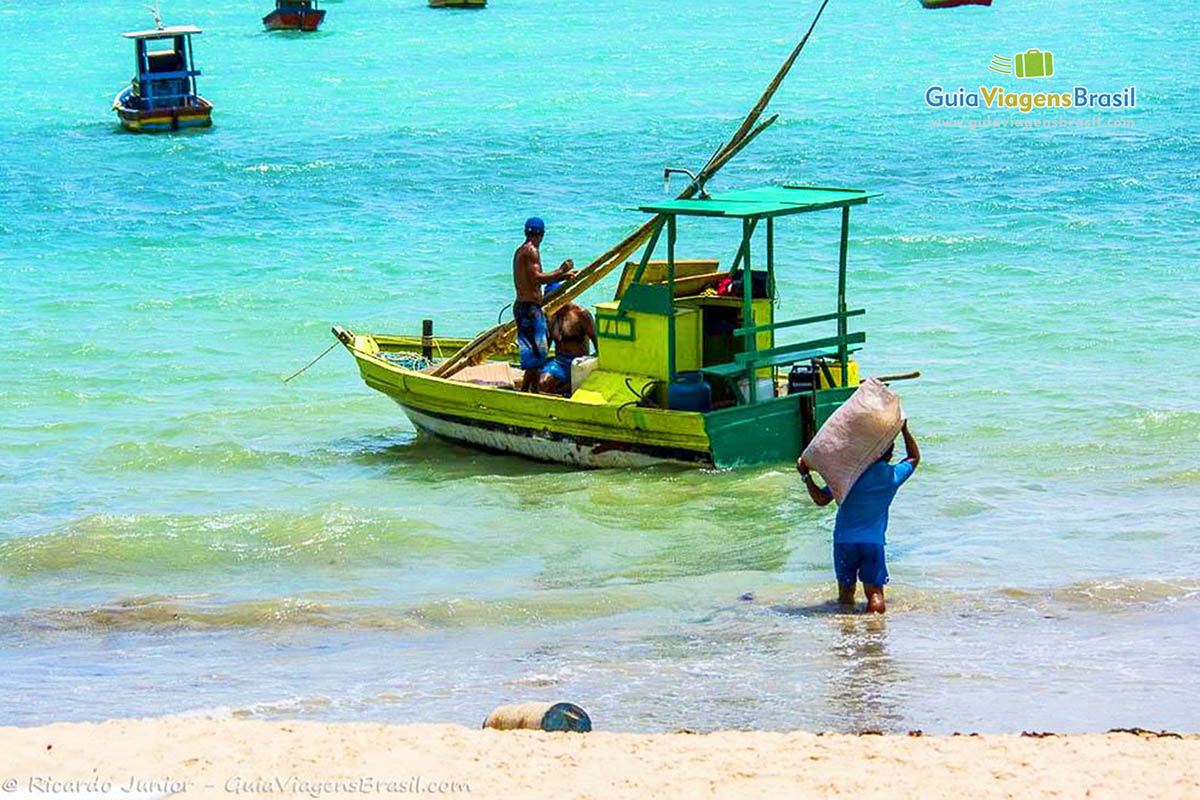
[571, 328]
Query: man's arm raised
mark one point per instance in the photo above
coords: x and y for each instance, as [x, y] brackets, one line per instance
[819, 494]
[561, 274]
[912, 453]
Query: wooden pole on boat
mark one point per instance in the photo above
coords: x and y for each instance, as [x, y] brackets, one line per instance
[501, 336]
[427, 338]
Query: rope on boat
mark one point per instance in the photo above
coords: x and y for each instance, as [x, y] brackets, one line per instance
[411, 361]
[641, 396]
[309, 364]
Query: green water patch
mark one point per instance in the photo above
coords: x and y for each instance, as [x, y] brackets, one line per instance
[649, 526]
[159, 456]
[650, 557]
[1173, 478]
[1168, 426]
[1138, 536]
[425, 459]
[318, 611]
[762, 499]
[965, 507]
[1104, 438]
[142, 544]
[155, 612]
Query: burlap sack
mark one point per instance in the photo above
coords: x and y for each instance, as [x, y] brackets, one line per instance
[855, 436]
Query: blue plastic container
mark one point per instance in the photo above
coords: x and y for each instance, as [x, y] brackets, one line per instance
[689, 392]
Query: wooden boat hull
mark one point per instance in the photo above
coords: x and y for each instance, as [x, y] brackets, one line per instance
[457, 3]
[954, 3]
[158, 120]
[548, 445]
[590, 429]
[306, 20]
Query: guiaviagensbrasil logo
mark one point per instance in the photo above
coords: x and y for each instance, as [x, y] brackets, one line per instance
[1033, 63]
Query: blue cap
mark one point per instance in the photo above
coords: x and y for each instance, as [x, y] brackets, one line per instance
[534, 225]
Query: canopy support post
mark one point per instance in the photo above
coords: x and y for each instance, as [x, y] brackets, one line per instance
[771, 268]
[742, 253]
[649, 251]
[145, 85]
[191, 62]
[671, 293]
[842, 349]
[748, 343]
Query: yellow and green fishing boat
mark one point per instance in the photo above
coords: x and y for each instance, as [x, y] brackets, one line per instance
[690, 366]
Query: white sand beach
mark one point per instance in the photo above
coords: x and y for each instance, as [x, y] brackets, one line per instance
[186, 757]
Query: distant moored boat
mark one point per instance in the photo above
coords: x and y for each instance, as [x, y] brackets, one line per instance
[953, 3]
[162, 96]
[294, 15]
[457, 3]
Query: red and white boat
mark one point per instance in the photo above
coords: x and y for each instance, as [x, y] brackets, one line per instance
[294, 15]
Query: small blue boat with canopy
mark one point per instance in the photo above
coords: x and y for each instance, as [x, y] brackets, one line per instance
[162, 96]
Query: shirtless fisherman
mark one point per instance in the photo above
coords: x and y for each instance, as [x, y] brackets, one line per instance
[862, 519]
[571, 328]
[528, 280]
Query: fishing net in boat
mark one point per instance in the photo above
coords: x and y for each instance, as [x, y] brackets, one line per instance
[416, 363]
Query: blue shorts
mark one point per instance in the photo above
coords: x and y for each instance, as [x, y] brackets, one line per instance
[560, 368]
[531, 334]
[859, 561]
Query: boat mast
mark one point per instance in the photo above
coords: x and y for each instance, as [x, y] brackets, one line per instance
[488, 341]
[158, 26]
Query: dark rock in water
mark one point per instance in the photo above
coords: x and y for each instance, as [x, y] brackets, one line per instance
[748, 596]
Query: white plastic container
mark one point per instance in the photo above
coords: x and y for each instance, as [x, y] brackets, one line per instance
[765, 388]
[581, 368]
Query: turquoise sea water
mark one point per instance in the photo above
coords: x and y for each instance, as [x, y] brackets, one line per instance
[181, 532]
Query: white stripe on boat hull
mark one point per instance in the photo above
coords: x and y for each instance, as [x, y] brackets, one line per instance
[542, 448]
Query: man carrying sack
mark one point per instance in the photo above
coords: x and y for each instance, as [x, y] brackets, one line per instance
[853, 451]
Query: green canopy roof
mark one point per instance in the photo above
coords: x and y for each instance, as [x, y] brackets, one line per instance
[766, 201]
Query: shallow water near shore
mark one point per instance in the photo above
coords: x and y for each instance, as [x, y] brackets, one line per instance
[180, 532]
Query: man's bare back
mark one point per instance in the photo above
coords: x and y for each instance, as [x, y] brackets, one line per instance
[573, 329]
